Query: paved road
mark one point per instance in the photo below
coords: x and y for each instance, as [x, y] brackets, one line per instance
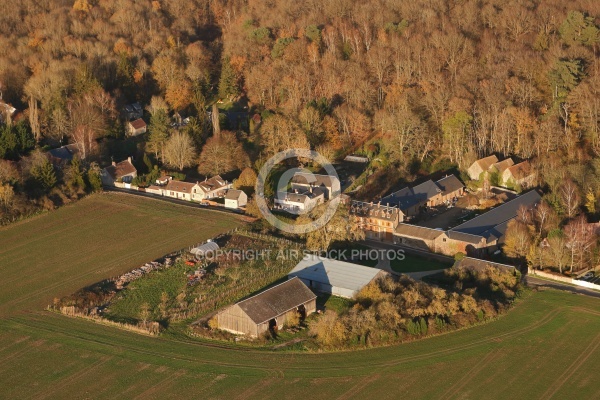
[534, 281]
[172, 200]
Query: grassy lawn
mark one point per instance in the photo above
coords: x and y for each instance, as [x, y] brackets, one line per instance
[547, 346]
[412, 263]
[54, 254]
[335, 303]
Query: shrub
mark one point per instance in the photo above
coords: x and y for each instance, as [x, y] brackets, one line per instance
[423, 326]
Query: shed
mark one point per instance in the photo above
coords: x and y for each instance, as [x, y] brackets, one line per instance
[136, 127]
[335, 277]
[267, 310]
[235, 199]
[204, 249]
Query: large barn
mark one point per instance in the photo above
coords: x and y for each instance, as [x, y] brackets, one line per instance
[269, 309]
[335, 277]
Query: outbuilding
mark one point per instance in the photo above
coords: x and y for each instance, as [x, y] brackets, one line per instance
[235, 199]
[335, 277]
[208, 248]
[268, 310]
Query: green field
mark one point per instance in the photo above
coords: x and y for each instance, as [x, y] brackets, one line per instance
[412, 263]
[547, 346]
[104, 235]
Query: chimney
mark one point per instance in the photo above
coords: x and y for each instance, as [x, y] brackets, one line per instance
[129, 159]
[114, 164]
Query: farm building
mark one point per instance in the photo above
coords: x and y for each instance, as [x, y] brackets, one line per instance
[204, 249]
[268, 310]
[335, 277]
[418, 237]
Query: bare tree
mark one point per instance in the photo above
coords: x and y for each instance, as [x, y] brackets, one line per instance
[180, 151]
[569, 195]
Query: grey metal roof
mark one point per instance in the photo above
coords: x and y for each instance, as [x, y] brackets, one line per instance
[450, 184]
[464, 237]
[336, 273]
[497, 216]
[408, 197]
[276, 301]
[419, 232]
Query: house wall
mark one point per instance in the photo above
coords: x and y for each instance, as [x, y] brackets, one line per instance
[451, 195]
[158, 191]
[417, 243]
[106, 179]
[412, 211]
[231, 203]
[243, 200]
[177, 195]
[474, 171]
[323, 287]
[234, 319]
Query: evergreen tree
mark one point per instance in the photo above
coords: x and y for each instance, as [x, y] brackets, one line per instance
[159, 132]
[565, 76]
[579, 28]
[45, 175]
[228, 83]
[93, 178]
[76, 174]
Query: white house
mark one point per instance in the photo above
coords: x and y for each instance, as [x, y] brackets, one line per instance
[194, 191]
[293, 202]
[123, 171]
[303, 182]
[235, 199]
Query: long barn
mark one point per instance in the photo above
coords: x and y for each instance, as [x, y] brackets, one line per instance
[334, 277]
[268, 310]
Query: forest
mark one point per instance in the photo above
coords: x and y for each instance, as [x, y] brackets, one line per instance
[416, 86]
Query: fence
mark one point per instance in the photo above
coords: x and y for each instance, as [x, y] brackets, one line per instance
[564, 279]
[547, 275]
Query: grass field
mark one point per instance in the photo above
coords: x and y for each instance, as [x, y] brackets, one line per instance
[55, 254]
[547, 346]
[412, 263]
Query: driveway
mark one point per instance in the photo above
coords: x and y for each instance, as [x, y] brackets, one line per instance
[538, 282]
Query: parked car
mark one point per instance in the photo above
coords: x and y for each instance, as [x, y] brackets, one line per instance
[588, 275]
